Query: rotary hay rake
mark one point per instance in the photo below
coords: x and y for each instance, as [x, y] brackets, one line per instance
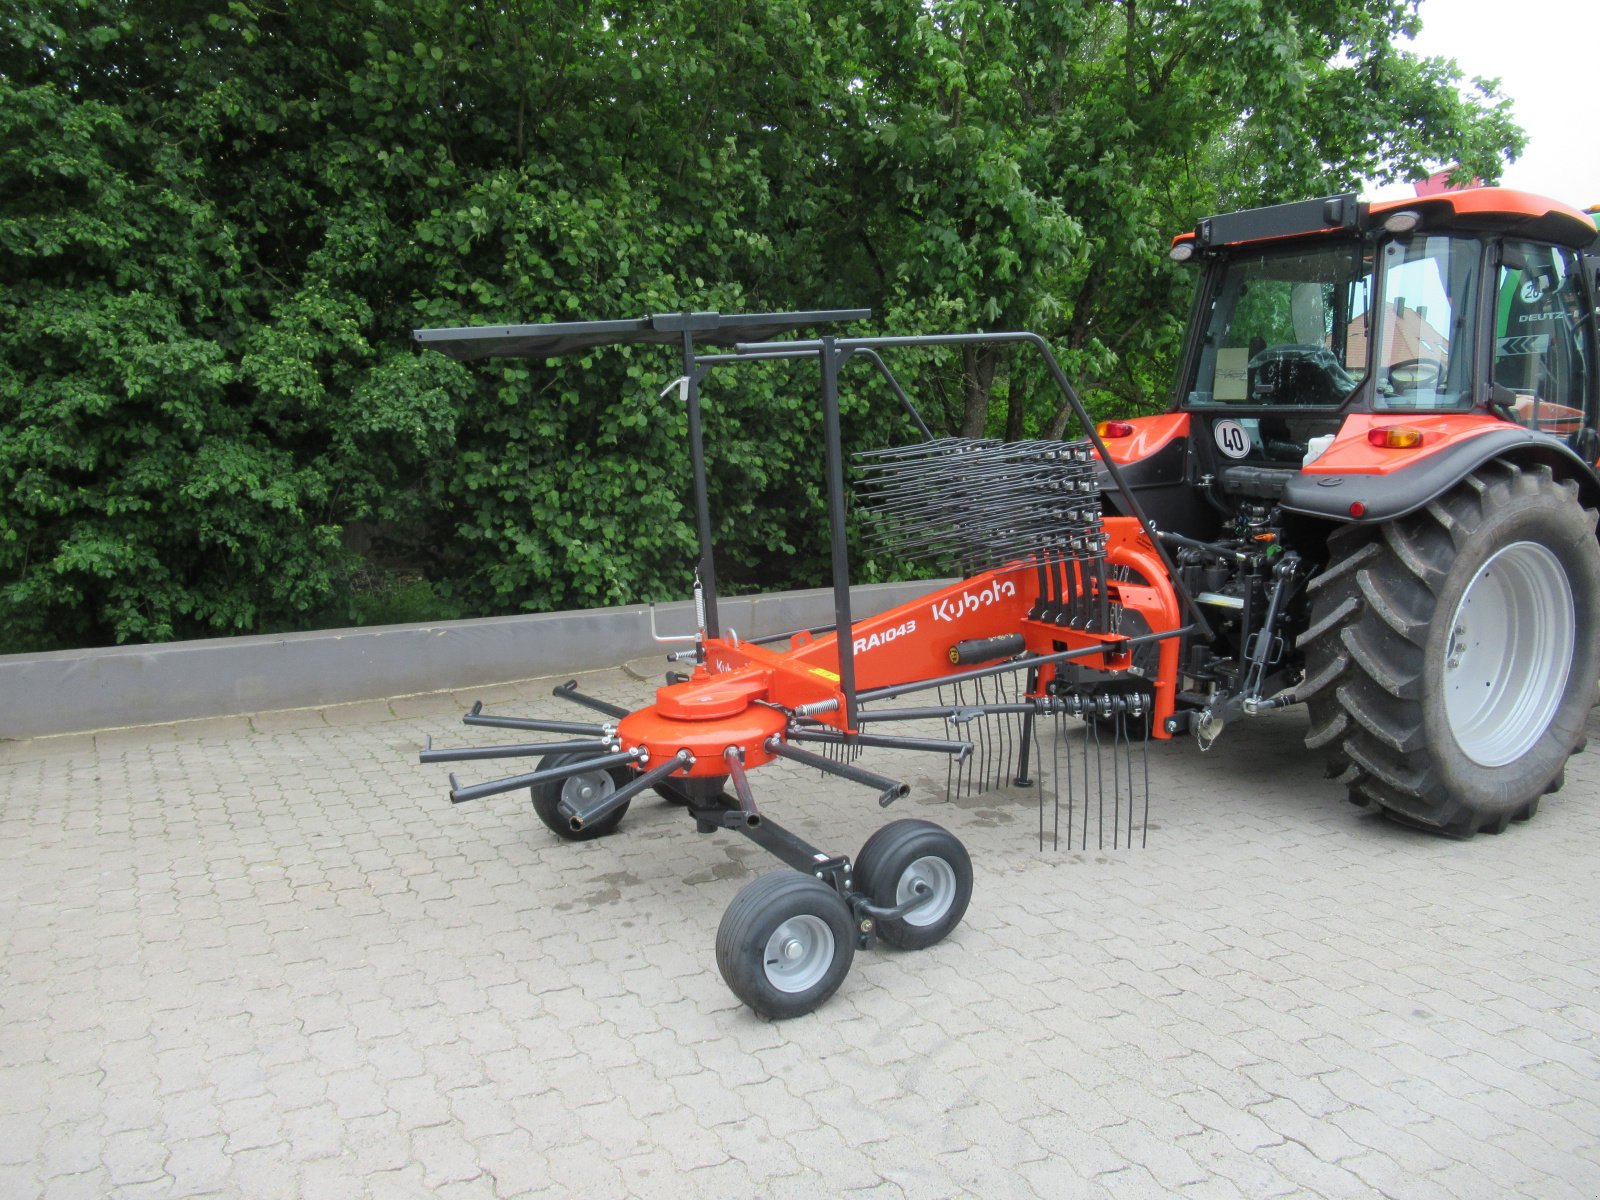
[1056, 624]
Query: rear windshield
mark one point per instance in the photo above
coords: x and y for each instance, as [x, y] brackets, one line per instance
[1285, 327]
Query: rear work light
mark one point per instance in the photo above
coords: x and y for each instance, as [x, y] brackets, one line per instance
[1395, 437]
[1114, 429]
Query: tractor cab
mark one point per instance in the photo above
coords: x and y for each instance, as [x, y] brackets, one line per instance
[1472, 305]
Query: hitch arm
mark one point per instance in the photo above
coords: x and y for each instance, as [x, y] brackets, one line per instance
[1285, 574]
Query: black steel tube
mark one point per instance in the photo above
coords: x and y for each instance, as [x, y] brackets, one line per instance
[471, 753]
[834, 447]
[900, 393]
[1021, 778]
[941, 712]
[607, 805]
[693, 372]
[533, 724]
[741, 785]
[883, 741]
[920, 891]
[460, 795]
[769, 638]
[772, 353]
[889, 790]
[785, 846]
[569, 691]
[921, 685]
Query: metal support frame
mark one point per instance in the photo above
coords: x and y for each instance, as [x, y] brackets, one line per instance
[686, 331]
[692, 375]
[848, 346]
[787, 847]
[832, 353]
[834, 454]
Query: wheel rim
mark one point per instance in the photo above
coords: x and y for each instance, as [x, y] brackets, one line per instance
[940, 879]
[798, 953]
[1510, 650]
[580, 791]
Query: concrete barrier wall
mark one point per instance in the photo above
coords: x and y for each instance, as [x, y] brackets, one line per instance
[74, 690]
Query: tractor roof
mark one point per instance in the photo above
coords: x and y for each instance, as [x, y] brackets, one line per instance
[1501, 210]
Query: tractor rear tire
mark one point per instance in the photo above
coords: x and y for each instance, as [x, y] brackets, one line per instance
[1452, 655]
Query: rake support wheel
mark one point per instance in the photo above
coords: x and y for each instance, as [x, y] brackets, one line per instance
[1452, 655]
[909, 857]
[785, 944]
[577, 791]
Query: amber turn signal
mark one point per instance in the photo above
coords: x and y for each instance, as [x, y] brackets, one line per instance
[1114, 429]
[1395, 437]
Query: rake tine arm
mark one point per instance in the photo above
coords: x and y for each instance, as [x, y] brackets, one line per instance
[1018, 664]
[606, 805]
[889, 790]
[569, 691]
[734, 757]
[533, 724]
[494, 787]
[882, 741]
[527, 750]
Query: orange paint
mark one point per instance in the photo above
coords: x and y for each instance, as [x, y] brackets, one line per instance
[1353, 454]
[1150, 434]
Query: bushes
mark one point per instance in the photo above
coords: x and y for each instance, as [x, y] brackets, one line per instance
[218, 226]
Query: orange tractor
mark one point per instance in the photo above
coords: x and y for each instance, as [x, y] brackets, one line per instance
[1374, 494]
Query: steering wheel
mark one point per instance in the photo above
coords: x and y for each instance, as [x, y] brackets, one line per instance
[1416, 375]
[1312, 374]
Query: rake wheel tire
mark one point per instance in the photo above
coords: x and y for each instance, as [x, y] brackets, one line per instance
[785, 944]
[577, 790]
[895, 860]
[1452, 655]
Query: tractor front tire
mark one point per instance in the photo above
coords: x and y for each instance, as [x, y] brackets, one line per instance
[1452, 655]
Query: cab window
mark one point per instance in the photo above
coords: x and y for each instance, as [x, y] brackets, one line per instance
[1541, 356]
[1284, 327]
[1425, 319]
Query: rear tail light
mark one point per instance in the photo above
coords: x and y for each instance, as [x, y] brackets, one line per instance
[1395, 437]
[1114, 429]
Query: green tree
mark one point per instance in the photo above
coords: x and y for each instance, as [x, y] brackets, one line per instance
[218, 225]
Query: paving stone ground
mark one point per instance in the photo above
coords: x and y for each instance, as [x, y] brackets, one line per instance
[265, 957]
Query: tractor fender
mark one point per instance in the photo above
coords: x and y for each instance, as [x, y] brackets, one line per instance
[1358, 499]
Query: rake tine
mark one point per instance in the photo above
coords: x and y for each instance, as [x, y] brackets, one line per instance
[1100, 788]
[1085, 845]
[1117, 732]
[1144, 824]
[1132, 794]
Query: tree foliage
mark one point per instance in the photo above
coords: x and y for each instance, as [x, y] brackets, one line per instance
[218, 225]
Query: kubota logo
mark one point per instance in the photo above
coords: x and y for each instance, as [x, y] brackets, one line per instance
[952, 608]
[882, 638]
